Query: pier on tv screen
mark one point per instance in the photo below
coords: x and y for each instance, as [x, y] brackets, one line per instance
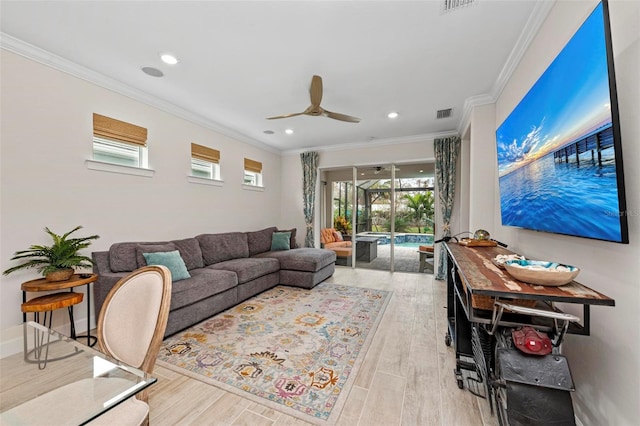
[559, 153]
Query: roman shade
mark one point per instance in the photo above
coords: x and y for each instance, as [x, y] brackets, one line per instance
[252, 166]
[110, 128]
[204, 153]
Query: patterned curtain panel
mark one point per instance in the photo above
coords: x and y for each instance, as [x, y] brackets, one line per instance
[309, 175]
[446, 151]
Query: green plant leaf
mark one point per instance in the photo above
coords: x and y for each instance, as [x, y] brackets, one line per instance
[62, 254]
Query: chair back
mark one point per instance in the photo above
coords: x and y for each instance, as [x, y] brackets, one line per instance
[327, 235]
[134, 316]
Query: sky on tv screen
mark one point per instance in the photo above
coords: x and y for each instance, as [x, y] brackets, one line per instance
[569, 100]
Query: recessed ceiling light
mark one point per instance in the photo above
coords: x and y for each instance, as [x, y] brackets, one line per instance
[268, 132]
[169, 59]
[153, 72]
[289, 131]
[392, 115]
[420, 171]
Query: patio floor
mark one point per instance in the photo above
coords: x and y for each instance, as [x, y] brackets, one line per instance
[407, 259]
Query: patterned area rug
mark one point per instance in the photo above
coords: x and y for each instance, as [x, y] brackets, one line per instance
[295, 350]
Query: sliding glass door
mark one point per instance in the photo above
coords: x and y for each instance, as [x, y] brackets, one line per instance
[387, 212]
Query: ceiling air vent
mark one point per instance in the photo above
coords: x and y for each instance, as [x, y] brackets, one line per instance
[443, 113]
[451, 5]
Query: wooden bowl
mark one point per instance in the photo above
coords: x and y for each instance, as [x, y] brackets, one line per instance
[541, 272]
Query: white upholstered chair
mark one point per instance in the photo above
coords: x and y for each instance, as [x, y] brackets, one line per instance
[131, 326]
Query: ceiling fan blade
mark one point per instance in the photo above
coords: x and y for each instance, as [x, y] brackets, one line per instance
[285, 116]
[341, 117]
[316, 91]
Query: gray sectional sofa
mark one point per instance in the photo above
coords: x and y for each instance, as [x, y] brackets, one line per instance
[224, 270]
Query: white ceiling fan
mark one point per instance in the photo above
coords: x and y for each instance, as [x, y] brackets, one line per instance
[315, 110]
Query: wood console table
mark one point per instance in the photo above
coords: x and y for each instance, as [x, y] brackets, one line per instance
[76, 280]
[472, 273]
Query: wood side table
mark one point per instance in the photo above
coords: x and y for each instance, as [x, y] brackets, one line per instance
[76, 280]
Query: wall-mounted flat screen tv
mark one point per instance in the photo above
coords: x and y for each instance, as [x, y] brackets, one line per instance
[559, 150]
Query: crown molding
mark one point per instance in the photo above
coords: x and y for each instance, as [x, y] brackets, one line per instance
[44, 57]
[469, 104]
[536, 19]
[373, 143]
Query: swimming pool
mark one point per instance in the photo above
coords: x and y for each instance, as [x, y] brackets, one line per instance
[401, 239]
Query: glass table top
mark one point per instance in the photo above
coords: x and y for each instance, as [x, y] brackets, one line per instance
[74, 389]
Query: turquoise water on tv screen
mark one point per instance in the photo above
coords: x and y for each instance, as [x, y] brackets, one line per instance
[563, 198]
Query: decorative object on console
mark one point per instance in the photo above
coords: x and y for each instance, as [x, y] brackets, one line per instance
[58, 261]
[500, 259]
[472, 242]
[541, 272]
[481, 234]
[294, 350]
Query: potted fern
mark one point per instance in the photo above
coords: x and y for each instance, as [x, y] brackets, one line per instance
[58, 261]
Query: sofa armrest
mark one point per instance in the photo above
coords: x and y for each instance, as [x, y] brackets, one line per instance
[101, 262]
[106, 279]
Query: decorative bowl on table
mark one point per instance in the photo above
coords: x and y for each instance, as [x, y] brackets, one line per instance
[541, 272]
[500, 259]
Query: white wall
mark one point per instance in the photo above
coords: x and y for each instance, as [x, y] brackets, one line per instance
[605, 365]
[47, 136]
[482, 168]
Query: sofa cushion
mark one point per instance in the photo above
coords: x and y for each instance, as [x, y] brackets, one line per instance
[338, 244]
[151, 248]
[302, 259]
[220, 247]
[170, 259]
[189, 249]
[249, 268]
[260, 241]
[202, 284]
[122, 256]
[280, 241]
[343, 251]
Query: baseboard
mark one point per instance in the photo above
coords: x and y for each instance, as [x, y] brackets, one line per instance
[11, 341]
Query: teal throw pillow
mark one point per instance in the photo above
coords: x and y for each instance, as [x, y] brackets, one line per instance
[170, 259]
[280, 241]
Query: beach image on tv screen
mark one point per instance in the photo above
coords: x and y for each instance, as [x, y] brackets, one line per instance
[556, 157]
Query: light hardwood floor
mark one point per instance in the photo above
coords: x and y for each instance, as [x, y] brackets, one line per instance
[406, 379]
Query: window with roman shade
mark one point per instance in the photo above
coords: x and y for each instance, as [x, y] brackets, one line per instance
[111, 128]
[252, 172]
[205, 162]
[118, 142]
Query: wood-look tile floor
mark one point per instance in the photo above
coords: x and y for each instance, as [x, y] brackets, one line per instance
[406, 378]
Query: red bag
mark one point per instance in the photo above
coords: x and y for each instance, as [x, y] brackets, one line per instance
[531, 341]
